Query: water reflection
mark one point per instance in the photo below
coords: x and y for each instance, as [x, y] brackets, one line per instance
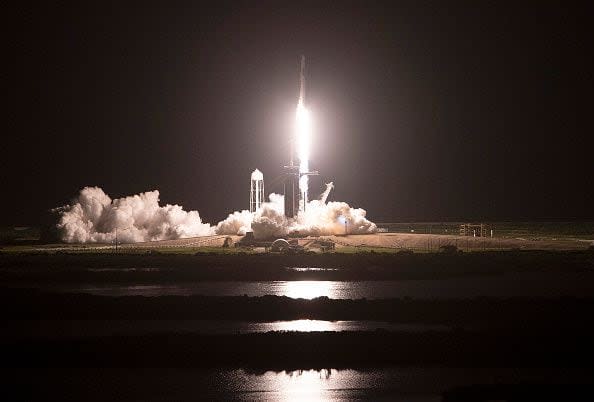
[124, 269]
[84, 328]
[304, 325]
[309, 289]
[301, 385]
[337, 385]
[310, 269]
[509, 285]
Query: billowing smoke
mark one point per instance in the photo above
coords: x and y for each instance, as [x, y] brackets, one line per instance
[319, 218]
[237, 223]
[94, 217]
[270, 220]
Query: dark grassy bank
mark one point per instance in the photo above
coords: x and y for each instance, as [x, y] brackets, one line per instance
[307, 350]
[171, 268]
[517, 313]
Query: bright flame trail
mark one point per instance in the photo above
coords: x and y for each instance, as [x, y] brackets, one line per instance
[303, 138]
[303, 135]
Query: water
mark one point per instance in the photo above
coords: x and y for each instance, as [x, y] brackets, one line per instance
[416, 384]
[532, 285]
[311, 269]
[321, 385]
[391, 384]
[84, 328]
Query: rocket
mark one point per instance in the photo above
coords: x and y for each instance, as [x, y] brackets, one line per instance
[302, 81]
[295, 196]
[302, 103]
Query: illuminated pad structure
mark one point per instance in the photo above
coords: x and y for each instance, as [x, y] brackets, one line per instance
[291, 190]
[256, 190]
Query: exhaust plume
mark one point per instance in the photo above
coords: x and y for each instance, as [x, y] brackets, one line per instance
[319, 218]
[94, 217]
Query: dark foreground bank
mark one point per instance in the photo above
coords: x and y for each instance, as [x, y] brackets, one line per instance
[309, 350]
[497, 348]
[172, 268]
[520, 314]
[431, 366]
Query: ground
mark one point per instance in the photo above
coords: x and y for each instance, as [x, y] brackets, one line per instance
[417, 237]
[432, 242]
[380, 242]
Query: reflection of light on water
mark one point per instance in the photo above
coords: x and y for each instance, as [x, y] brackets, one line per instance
[302, 385]
[309, 289]
[306, 269]
[303, 325]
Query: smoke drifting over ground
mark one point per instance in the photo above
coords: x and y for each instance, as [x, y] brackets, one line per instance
[94, 217]
[319, 218]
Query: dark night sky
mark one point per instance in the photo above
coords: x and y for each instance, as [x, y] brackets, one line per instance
[421, 111]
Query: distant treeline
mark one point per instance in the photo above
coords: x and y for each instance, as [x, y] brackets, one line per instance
[527, 230]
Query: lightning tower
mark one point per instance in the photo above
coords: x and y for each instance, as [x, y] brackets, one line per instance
[256, 190]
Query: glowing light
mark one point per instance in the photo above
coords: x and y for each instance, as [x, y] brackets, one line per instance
[302, 385]
[304, 326]
[303, 134]
[303, 140]
[309, 289]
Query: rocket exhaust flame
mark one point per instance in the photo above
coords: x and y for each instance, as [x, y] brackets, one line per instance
[303, 135]
[303, 140]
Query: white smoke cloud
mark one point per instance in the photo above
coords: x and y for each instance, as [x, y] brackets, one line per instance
[237, 223]
[319, 218]
[94, 217]
[270, 220]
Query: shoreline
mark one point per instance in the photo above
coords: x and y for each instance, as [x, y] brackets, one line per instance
[172, 268]
[480, 312]
[275, 350]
